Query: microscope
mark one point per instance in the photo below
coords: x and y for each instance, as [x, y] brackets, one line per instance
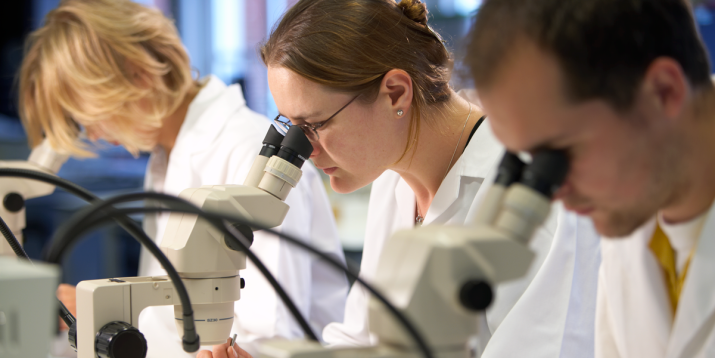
[208, 263]
[440, 277]
[14, 191]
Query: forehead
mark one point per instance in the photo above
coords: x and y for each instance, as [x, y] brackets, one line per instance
[295, 95]
[525, 102]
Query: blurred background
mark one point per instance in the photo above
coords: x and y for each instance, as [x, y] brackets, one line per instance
[221, 37]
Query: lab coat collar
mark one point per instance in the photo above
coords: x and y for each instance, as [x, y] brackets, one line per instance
[207, 115]
[479, 159]
[696, 305]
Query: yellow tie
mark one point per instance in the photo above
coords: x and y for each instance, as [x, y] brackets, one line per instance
[660, 246]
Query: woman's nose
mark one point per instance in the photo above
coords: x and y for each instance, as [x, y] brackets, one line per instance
[316, 149]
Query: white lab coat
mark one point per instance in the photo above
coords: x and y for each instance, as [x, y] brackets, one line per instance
[633, 314]
[217, 144]
[549, 313]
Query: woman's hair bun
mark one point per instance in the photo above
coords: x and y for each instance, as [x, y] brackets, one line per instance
[415, 10]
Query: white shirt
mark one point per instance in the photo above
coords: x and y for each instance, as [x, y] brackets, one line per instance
[634, 317]
[549, 312]
[217, 144]
[682, 238]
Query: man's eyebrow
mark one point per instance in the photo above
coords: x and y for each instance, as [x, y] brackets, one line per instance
[546, 144]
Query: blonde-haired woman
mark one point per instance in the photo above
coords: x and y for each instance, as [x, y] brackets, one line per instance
[368, 81]
[119, 71]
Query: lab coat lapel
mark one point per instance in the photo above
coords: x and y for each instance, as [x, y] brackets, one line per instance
[405, 199]
[638, 303]
[696, 305]
[476, 163]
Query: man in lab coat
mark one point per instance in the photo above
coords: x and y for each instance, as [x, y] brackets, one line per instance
[624, 88]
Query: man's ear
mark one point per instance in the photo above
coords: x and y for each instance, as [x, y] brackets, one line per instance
[397, 86]
[665, 87]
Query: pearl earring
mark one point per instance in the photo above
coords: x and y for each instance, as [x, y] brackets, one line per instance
[400, 113]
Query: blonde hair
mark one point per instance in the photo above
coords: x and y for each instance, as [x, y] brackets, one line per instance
[113, 65]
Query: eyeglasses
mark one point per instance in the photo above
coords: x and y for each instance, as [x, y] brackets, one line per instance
[310, 130]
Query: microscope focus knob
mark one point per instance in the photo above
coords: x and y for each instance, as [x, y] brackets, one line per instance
[120, 340]
[476, 295]
[13, 202]
[247, 233]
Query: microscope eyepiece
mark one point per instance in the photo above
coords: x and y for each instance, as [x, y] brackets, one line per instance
[546, 172]
[271, 143]
[510, 169]
[295, 147]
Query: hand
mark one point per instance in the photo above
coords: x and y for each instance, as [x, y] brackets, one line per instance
[68, 295]
[224, 351]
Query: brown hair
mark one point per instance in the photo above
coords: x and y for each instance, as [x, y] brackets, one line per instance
[349, 45]
[78, 69]
[604, 47]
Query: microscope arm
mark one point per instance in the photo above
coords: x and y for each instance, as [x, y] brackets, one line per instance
[198, 251]
[14, 191]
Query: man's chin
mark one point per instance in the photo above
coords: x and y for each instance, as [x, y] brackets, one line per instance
[615, 226]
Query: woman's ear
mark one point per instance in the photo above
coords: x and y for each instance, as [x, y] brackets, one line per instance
[397, 86]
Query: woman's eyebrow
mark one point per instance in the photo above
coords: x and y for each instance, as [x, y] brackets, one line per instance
[303, 117]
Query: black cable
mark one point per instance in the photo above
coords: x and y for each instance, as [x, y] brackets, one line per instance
[64, 313]
[190, 341]
[80, 222]
[79, 191]
[404, 321]
[12, 240]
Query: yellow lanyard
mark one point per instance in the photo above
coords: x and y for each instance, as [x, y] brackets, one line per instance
[660, 246]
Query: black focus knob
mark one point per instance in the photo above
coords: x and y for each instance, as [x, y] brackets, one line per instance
[13, 202]
[246, 231]
[476, 295]
[120, 340]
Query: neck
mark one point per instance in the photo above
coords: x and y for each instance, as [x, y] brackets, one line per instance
[173, 122]
[443, 134]
[695, 192]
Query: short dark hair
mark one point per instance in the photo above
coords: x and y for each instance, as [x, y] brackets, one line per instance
[604, 47]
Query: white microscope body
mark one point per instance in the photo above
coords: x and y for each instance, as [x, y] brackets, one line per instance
[440, 276]
[206, 262]
[14, 191]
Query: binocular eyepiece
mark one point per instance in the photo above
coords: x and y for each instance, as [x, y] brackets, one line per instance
[294, 147]
[545, 174]
[279, 162]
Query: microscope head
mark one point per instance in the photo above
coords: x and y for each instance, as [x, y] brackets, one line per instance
[207, 260]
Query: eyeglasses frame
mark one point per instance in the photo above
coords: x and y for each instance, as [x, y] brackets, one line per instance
[307, 126]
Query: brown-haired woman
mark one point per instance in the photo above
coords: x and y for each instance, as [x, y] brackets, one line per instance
[368, 81]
